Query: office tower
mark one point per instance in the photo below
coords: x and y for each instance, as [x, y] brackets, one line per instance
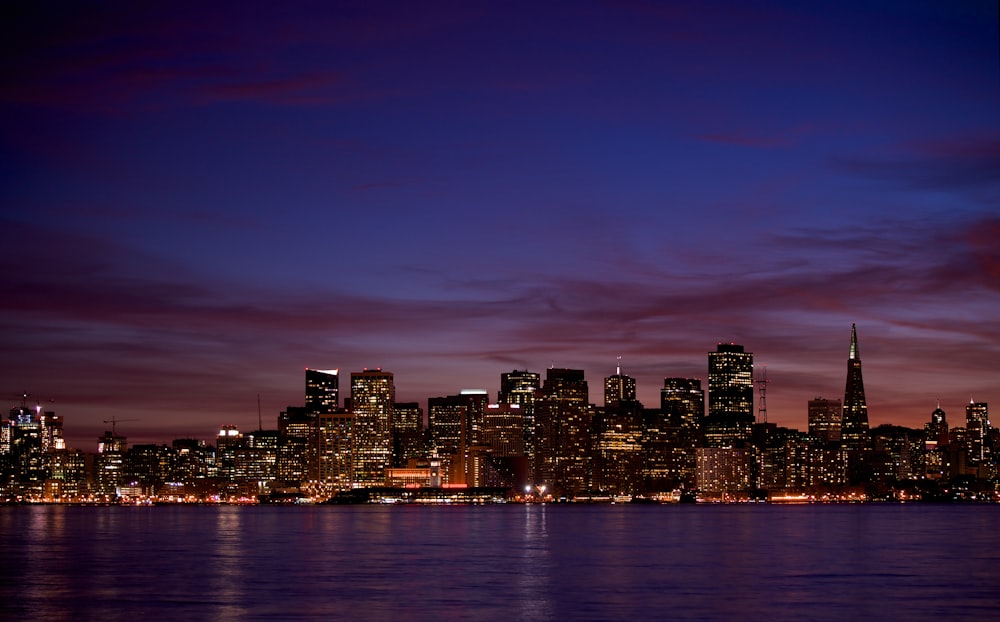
[503, 430]
[682, 401]
[936, 441]
[67, 470]
[446, 417]
[408, 438]
[854, 433]
[725, 471]
[562, 432]
[226, 443]
[671, 434]
[52, 431]
[322, 390]
[109, 464]
[825, 418]
[193, 460]
[977, 430]
[518, 387]
[372, 397]
[618, 388]
[298, 450]
[336, 462]
[454, 423]
[617, 455]
[24, 442]
[257, 460]
[147, 467]
[478, 399]
[730, 396]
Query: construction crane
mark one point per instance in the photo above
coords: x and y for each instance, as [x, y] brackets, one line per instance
[113, 421]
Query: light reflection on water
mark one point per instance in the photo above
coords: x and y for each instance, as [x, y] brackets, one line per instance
[500, 562]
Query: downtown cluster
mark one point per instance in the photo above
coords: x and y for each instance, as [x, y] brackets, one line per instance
[540, 441]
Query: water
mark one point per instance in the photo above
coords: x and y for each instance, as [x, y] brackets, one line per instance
[506, 562]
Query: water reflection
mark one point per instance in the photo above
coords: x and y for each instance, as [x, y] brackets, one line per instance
[500, 562]
[226, 565]
[533, 569]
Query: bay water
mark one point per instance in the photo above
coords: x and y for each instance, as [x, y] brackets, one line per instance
[501, 562]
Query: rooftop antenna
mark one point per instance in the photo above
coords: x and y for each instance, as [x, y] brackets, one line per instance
[618, 371]
[114, 421]
[260, 422]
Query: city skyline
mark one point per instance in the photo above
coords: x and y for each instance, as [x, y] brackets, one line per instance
[321, 394]
[200, 202]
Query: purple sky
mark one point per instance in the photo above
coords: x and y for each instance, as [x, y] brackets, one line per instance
[198, 204]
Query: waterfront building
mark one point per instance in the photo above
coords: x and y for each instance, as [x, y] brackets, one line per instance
[671, 434]
[372, 397]
[67, 474]
[336, 458]
[226, 442]
[519, 387]
[257, 461]
[725, 471]
[148, 466]
[563, 418]
[298, 446]
[730, 396]
[109, 464]
[409, 439]
[194, 463]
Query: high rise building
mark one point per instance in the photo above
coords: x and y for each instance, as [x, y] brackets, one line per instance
[672, 433]
[446, 422]
[682, 401]
[409, 441]
[618, 388]
[336, 439]
[563, 419]
[23, 441]
[730, 396]
[372, 397]
[478, 400]
[977, 430]
[518, 387]
[825, 418]
[322, 391]
[109, 464]
[854, 431]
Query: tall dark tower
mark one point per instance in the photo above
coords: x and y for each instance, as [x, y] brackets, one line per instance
[322, 391]
[730, 396]
[854, 427]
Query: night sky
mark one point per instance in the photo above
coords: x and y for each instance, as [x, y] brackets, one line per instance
[197, 204]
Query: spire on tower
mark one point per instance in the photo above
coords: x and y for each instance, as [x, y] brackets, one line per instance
[618, 370]
[855, 354]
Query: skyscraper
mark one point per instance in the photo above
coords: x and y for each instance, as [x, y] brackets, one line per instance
[322, 390]
[730, 396]
[977, 425]
[854, 432]
[518, 387]
[825, 418]
[562, 422]
[682, 401]
[372, 397]
[618, 388]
